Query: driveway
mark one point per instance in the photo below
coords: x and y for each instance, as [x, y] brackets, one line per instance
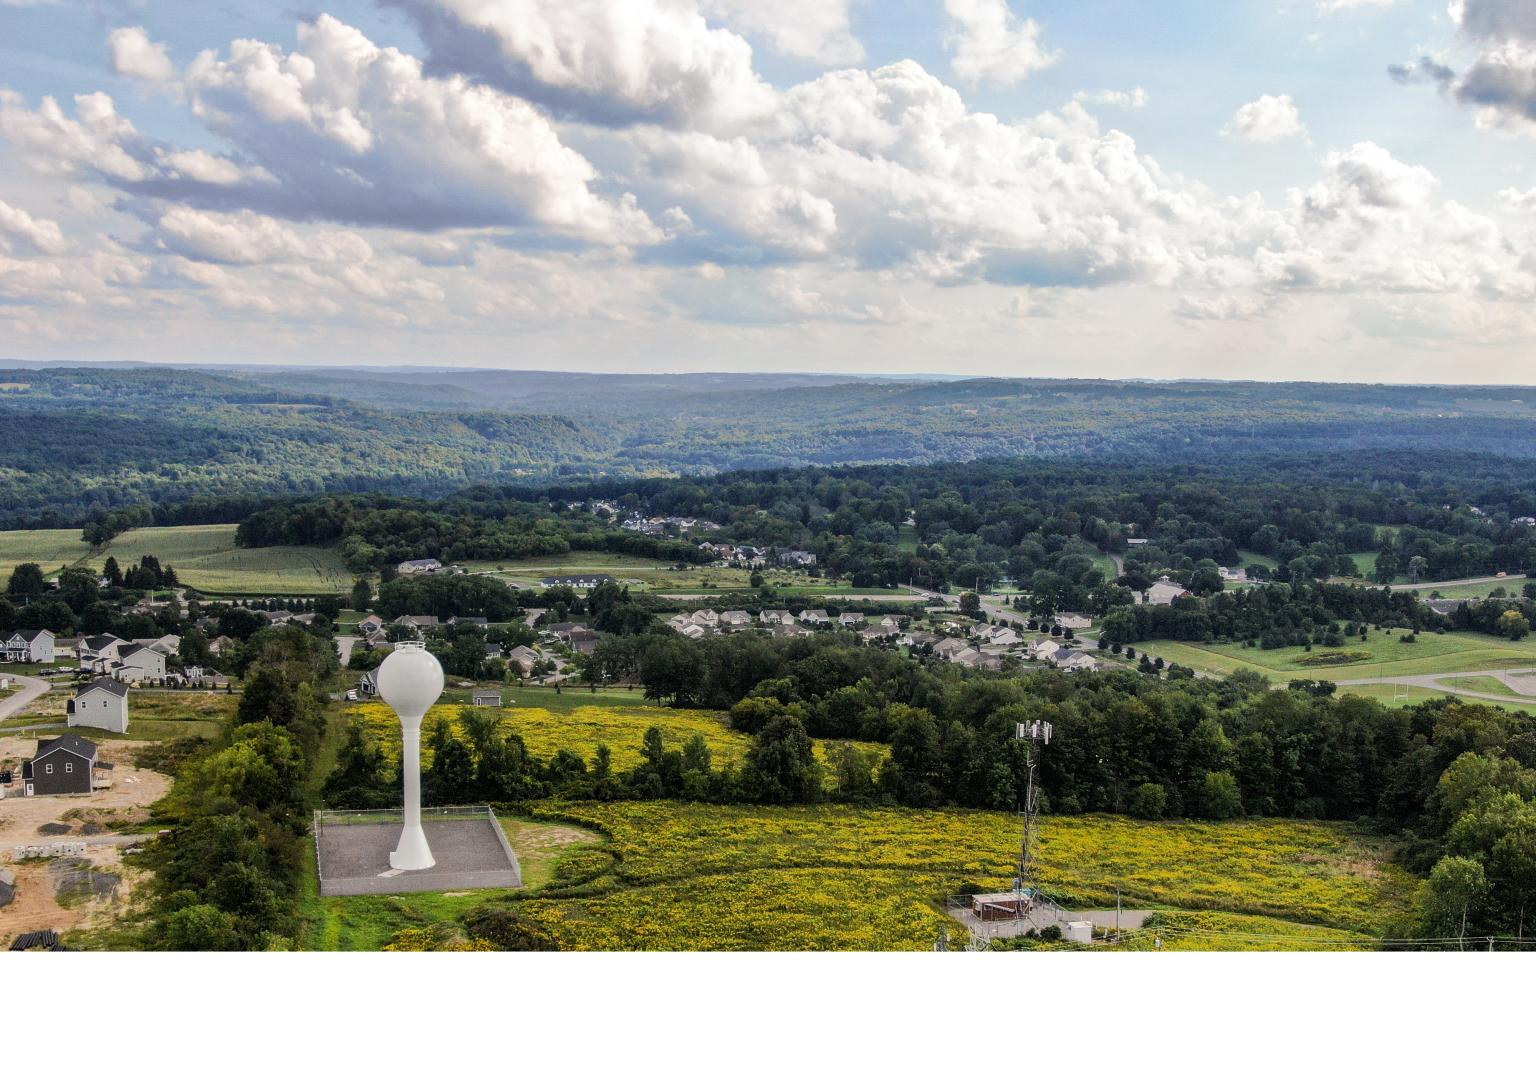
[30, 689]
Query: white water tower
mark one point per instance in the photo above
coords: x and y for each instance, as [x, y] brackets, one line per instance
[411, 680]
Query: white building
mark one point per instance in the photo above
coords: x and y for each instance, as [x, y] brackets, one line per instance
[140, 664]
[102, 704]
[418, 566]
[28, 646]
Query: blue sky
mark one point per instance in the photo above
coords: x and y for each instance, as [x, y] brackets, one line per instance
[950, 186]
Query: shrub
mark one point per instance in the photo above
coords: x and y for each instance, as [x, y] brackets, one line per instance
[1149, 801]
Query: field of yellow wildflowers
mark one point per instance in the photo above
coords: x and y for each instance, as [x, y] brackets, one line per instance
[580, 730]
[691, 877]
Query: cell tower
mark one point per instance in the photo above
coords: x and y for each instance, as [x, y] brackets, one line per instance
[1038, 734]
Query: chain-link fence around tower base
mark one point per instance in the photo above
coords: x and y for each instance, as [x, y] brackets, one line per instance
[469, 848]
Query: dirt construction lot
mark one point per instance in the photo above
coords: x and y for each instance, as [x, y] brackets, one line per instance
[79, 891]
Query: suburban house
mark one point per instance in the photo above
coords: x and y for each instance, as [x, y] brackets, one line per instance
[98, 653]
[369, 624]
[416, 622]
[1002, 636]
[1165, 592]
[29, 646]
[950, 647]
[101, 704]
[575, 581]
[63, 766]
[1044, 649]
[850, 618]
[735, 619]
[920, 638]
[140, 663]
[486, 697]
[221, 645]
[816, 617]
[368, 684]
[693, 631]
[468, 620]
[524, 658]
[417, 566]
[775, 618]
[797, 558]
[1074, 621]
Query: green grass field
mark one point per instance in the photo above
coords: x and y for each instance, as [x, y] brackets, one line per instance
[1430, 654]
[205, 558]
[700, 877]
[1511, 585]
[1365, 563]
[1256, 559]
[1412, 695]
[1487, 686]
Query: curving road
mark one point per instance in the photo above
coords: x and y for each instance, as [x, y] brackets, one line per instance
[31, 689]
[1522, 682]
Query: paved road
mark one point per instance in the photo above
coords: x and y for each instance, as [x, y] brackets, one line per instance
[1523, 682]
[1514, 580]
[1119, 561]
[344, 647]
[31, 689]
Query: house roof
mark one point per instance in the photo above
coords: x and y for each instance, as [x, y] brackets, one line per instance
[30, 635]
[104, 640]
[486, 693]
[117, 688]
[67, 742]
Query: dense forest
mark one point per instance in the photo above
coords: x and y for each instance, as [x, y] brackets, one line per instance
[199, 445]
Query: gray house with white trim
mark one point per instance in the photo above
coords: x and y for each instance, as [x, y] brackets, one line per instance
[102, 704]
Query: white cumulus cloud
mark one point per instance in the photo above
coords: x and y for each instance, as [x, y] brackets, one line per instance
[1267, 120]
[134, 55]
[989, 43]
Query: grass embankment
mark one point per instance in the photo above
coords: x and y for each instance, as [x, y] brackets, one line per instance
[581, 729]
[657, 575]
[205, 558]
[1381, 655]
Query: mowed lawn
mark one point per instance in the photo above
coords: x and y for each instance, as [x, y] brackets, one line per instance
[1390, 695]
[1386, 656]
[205, 558]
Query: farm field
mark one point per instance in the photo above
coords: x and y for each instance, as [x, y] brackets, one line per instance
[582, 729]
[205, 558]
[1384, 655]
[655, 575]
[51, 549]
[671, 876]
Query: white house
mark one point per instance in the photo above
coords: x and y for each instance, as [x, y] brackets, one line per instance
[816, 617]
[143, 663]
[1044, 649]
[29, 646]
[1002, 636]
[735, 619]
[850, 618]
[1074, 621]
[102, 704]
